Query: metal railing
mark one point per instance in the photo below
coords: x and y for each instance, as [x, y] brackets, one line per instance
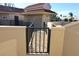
[12, 22]
[38, 40]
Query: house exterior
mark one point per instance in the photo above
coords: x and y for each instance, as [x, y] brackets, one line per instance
[37, 14]
[9, 14]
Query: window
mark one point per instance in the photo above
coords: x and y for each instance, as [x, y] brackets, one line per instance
[16, 18]
[3, 17]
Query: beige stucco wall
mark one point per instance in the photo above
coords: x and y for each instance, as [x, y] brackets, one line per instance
[36, 19]
[2, 15]
[11, 16]
[56, 41]
[46, 17]
[71, 39]
[12, 40]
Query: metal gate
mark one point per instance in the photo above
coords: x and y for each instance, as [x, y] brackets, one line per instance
[38, 40]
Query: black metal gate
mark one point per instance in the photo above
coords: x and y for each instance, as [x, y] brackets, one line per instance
[38, 40]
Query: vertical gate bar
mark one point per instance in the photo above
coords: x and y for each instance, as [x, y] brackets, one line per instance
[35, 39]
[27, 40]
[48, 45]
[43, 39]
[39, 40]
[32, 40]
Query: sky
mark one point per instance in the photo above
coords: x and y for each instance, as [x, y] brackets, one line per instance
[60, 8]
[65, 8]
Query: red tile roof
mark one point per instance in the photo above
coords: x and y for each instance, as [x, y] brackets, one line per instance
[45, 7]
[38, 6]
[10, 9]
[42, 10]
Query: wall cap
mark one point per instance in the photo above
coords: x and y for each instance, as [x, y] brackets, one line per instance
[71, 24]
[12, 26]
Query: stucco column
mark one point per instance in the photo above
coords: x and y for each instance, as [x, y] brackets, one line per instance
[46, 17]
[56, 41]
[21, 41]
[12, 40]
